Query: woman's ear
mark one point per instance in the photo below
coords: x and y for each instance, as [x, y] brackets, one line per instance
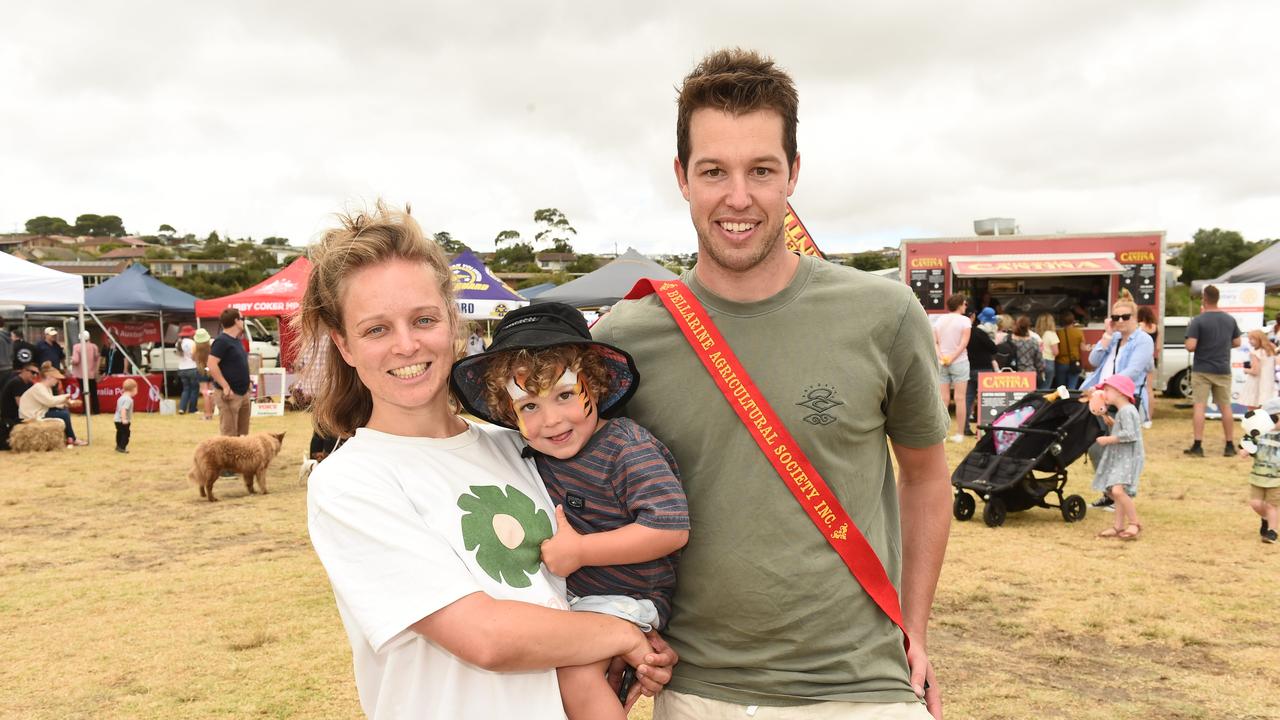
[340, 342]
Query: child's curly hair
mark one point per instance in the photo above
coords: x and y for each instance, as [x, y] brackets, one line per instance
[543, 366]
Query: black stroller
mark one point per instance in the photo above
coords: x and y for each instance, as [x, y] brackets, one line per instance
[1032, 466]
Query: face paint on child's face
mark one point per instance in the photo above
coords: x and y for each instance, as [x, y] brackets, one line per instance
[560, 421]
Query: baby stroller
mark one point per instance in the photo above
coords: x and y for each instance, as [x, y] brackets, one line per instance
[1016, 468]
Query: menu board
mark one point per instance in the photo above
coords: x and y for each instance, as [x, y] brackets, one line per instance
[998, 390]
[929, 285]
[1140, 280]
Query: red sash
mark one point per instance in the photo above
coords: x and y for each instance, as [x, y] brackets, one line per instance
[782, 451]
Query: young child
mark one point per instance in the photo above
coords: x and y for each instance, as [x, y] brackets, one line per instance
[1264, 479]
[621, 513]
[1118, 470]
[124, 414]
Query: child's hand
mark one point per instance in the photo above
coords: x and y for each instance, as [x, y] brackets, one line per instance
[1243, 454]
[562, 553]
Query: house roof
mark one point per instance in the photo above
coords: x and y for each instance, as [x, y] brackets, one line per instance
[124, 252]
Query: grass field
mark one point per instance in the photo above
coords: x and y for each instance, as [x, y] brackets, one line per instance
[125, 595]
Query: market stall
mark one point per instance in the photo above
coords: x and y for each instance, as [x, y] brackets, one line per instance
[279, 296]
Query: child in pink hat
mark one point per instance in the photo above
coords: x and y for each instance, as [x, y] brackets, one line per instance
[1122, 458]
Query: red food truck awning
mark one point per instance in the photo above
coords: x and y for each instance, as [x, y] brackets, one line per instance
[1035, 264]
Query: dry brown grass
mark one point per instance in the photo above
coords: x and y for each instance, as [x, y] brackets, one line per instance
[123, 594]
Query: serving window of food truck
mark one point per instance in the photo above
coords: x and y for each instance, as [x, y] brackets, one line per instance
[1035, 274]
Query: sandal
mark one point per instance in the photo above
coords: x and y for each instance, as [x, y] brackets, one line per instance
[1126, 535]
[1108, 532]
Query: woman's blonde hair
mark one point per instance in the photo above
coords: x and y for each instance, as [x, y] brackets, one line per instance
[1004, 322]
[1045, 324]
[1259, 340]
[342, 402]
[200, 353]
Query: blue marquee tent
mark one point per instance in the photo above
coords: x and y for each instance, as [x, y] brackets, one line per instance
[133, 290]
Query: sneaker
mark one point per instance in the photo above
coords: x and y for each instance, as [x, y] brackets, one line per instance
[78, 443]
[968, 432]
[956, 438]
[1103, 502]
[1229, 450]
[1194, 450]
[1146, 424]
[1270, 537]
[121, 450]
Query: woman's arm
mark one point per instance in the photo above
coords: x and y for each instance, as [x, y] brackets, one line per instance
[510, 636]
[568, 550]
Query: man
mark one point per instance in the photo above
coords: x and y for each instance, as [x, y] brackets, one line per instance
[765, 612]
[229, 367]
[10, 393]
[50, 350]
[1210, 337]
[6, 354]
[84, 353]
[23, 351]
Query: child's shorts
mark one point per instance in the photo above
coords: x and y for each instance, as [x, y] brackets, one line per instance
[1268, 495]
[641, 612]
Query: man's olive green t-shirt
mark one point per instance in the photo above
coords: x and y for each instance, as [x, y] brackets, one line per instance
[765, 612]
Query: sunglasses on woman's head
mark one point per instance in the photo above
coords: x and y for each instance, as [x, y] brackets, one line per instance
[1118, 318]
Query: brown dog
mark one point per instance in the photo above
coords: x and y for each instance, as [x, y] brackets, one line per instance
[249, 455]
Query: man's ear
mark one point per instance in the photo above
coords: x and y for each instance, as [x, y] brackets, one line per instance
[340, 342]
[795, 175]
[682, 178]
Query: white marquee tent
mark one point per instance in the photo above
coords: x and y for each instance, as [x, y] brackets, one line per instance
[25, 283]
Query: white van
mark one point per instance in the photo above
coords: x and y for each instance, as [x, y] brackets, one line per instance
[1175, 362]
[261, 342]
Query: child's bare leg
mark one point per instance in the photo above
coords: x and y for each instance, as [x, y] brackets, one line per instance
[1126, 511]
[1272, 515]
[586, 693]
[1260, 507]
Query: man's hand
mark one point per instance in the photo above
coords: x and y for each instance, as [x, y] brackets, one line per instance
[652, 675]
[923, 681]
[563, 552]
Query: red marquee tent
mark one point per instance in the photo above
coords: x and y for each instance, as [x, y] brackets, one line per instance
[277, 296]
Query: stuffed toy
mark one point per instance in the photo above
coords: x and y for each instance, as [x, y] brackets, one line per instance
[1259, 422]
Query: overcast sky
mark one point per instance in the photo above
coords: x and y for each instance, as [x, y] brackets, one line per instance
[259, 118]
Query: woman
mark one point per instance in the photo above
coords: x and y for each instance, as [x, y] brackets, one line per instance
[1260, 372]
[187, 370]
[982, 351]
[1048, 332]
[1123, 350]
[1066, 365]
[39, 402]
[1147, 323]
[428, 526]
[1027, 345]
[951, 341]
[202, 342]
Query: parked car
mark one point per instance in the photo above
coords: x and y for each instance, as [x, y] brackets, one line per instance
[261, 342]
[1175, 362]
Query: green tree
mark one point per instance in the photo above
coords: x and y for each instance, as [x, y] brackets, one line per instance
[276, 241]
[446, 242]
[99, 225]
[870, 261]
[505, 236]
[1213, 252]
[45, 225]
[555, 229]
[515, 258]
[583, 264]
[166, 229]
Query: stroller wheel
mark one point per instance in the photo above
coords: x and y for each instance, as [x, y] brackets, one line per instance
[993, 514]
[1074, 508]
[963, 506]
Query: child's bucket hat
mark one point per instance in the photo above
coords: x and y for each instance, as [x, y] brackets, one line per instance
[1123, 384]
[538, 326]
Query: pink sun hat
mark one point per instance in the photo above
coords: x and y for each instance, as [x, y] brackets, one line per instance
[1123, 384]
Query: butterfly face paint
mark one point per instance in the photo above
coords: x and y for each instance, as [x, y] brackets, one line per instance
[559, 421]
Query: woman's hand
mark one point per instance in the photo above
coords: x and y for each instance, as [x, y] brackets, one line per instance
[655, 658]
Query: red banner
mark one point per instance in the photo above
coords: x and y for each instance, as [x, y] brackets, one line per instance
[134, 333]
[771, 435]
[110, 387]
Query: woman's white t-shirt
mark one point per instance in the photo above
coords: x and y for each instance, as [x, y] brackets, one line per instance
[186, 360]
[405, 526]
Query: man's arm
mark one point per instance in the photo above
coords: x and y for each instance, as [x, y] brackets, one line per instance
[216, 373]
[924, 493]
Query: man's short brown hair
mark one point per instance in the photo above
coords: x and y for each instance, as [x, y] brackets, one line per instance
[228, 317]
[737, 81]
[1211, 294]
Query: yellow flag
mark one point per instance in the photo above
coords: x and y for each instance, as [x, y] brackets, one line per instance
[798, 239]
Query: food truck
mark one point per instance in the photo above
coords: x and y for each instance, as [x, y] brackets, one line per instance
[1032, 274]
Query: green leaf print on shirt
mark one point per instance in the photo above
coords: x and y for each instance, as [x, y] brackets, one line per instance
[508, 530]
